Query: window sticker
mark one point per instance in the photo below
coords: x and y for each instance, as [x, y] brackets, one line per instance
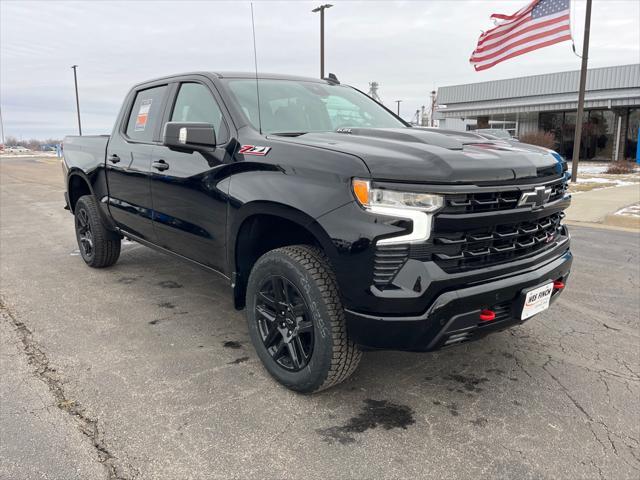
[143, 115]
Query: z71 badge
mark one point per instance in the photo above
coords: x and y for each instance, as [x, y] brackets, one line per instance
[254, 150]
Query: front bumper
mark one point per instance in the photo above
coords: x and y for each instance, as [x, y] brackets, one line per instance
[453, 316]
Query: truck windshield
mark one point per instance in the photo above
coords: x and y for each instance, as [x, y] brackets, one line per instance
[296, 107]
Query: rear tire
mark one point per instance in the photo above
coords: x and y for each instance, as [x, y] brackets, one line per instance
[310, 320]
[99, 247]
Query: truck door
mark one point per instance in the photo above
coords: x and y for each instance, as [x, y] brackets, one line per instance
[189, 208]
[129, 156]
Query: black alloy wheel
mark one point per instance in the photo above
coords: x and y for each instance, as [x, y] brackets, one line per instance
[85, 235]
[296, 319]
[99, 247]
[284, 323]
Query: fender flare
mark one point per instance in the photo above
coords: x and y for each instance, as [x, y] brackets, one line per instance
[77, 172]
[102, 205]
[261, 207]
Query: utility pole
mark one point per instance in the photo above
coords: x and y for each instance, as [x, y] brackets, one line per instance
[75, 79]
[583, 83]
[433, 108]
[398, 102]
[321, 9]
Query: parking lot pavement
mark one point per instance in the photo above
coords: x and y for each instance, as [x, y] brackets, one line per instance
[156, 378]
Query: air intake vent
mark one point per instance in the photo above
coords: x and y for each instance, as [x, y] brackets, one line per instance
[389, 259]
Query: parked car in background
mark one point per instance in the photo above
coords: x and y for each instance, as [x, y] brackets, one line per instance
[16, 149]
[495, 133]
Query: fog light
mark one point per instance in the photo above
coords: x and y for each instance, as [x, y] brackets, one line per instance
[558, 285]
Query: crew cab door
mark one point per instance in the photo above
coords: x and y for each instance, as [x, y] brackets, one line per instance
[189, 207]
[129, 156]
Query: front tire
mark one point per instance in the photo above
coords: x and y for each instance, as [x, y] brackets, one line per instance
[296, 320]
[99, 247]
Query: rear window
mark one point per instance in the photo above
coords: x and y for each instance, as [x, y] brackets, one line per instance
[145, 114]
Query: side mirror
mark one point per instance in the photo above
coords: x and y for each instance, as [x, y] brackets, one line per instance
[189, 135]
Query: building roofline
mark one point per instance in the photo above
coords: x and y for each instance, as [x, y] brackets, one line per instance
[537, 75]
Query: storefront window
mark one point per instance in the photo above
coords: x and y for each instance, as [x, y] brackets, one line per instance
[633, 125]
[552, 122]
[568, 133]
[600, 135]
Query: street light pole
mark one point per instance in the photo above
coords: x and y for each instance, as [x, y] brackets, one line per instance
[321, 9]
[75, 79]
[398, 103]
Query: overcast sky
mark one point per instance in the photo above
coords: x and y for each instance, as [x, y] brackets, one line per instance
[409, 47]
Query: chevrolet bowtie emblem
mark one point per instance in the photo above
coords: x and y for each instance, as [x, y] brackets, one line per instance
[536, 198]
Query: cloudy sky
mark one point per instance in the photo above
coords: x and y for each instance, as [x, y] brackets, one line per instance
[409, 47]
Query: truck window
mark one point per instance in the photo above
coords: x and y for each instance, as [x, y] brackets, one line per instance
[145, 113]
[303, 106]
[196, 104]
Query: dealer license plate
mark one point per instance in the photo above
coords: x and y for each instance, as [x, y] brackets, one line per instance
[537, 300]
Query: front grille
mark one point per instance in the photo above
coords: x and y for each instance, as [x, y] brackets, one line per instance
[466, 235]
[461, 251]
[388, 260]
[492, 201]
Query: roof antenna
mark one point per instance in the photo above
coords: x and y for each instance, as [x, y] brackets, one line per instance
[255, 61]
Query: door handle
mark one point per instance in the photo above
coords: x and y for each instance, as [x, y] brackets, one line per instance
[114, 158]
[160, 165]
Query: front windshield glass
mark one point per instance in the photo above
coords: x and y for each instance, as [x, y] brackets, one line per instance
[296, 107]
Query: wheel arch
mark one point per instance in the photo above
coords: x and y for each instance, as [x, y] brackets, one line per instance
[261, 226]
[77, 185]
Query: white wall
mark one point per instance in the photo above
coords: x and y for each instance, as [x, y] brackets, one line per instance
[527, 122]
[456, 123]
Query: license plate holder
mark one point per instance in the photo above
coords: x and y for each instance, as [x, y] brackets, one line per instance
[536, 300]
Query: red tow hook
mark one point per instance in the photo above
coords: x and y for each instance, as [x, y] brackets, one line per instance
[487, 315]
[558, 285]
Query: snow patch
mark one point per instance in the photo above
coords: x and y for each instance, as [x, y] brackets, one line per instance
[611, 181]
[630, 211]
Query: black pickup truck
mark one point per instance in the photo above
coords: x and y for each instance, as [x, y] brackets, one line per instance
[339, 226]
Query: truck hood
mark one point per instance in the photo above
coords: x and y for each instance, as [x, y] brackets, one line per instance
[408, 154]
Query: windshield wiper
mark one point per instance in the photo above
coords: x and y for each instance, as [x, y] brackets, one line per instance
[289, 134]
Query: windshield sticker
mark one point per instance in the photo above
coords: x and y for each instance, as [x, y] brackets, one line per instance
[254, 150]
[143, 115]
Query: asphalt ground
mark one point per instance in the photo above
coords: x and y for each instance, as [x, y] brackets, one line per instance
[145, 370]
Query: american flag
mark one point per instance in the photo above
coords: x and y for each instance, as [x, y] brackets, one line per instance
[539, 24]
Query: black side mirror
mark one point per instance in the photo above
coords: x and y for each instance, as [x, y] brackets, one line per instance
[189, 135]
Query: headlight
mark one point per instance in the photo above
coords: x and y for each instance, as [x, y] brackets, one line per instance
[418, 207]
[378, 197]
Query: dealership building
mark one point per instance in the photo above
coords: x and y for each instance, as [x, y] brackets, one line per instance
[549, 103]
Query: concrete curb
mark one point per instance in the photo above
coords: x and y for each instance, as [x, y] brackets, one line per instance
[602, 226]
[625, 221]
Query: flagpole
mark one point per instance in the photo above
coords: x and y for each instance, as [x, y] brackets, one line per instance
[583, 83]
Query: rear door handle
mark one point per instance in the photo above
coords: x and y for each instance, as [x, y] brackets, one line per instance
[114, 158]
[160, 165]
